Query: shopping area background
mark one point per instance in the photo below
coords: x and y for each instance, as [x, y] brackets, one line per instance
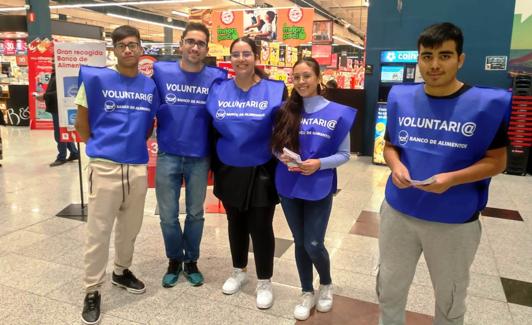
[366, 47]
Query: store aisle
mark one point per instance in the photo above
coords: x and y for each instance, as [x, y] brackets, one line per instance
[41, 254]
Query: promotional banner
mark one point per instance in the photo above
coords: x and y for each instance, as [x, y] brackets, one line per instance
[261, 23]
[521, 46]
[227, 26]
[380, 128]
[322, 32]
[322, 54]
[9, 47]
[295, 25]
[68, 58]
[291, 26]
[40, 60]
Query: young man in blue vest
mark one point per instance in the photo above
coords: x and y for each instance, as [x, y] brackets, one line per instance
[444, 141]
[116, 109]
[183, 127]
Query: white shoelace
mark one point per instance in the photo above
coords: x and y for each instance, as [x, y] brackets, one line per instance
[306, 299]
[263, 285]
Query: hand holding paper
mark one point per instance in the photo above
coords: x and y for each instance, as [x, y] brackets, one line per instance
[427, 181]
[294, 156]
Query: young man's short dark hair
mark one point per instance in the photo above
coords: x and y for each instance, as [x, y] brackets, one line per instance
[124, 31]
[434, 36]
[196, 26]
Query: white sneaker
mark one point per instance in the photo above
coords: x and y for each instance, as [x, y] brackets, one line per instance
[302, 311]
[325, 298]
[264, 294]
[235, 281]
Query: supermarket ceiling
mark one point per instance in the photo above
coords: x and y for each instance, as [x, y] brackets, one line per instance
[350, 15]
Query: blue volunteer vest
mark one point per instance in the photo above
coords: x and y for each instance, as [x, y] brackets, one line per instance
[244, 120]
[442, 135]
[121, 112]
[183, 123]
[320, 135]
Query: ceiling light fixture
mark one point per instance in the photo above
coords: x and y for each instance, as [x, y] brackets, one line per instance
[145, 21]
[348, 42]
[26, 7]
[121, 3]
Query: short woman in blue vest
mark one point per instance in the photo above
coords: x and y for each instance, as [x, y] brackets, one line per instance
[317, 130]
[242, 109]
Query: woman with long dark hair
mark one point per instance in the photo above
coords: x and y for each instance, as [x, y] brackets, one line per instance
[242, 109]
[316, 133]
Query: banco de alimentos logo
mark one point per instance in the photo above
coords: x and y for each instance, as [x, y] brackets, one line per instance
[220, 114]
[403, 137]
[109, 106]
[170, 98]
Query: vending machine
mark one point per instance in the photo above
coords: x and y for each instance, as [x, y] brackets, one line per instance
[396, 67]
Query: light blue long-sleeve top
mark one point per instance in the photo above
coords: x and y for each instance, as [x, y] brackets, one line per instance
[314, 104]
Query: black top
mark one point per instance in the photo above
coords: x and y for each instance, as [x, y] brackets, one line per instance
[50, 96]
[501, 137]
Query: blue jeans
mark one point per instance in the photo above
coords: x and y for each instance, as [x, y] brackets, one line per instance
[62, 146]
[171, 170]
[308, 222]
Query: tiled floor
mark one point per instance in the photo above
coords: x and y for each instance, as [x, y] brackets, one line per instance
[41, 254]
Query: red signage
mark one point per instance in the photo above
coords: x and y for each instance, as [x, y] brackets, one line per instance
[40, 61]
[22, 60]
[9, 47]
[322, 54]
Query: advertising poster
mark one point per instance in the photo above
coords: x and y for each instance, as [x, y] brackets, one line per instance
[521, 46]
[295, 25]
[68, 58]
[40, 60]
[322, 54]
[322, 32]
[380, 128]
[291, 26]
[227, 26]
[10, 47]
[261, 23]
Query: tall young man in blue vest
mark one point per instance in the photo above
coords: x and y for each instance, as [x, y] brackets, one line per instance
[116, 108]
[183, 127]
[444, 141]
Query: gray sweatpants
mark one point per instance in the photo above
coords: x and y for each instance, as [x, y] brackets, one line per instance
[449, 251]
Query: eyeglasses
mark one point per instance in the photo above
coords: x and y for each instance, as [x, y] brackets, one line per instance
[245, 55]
[132, 46]
[300, 78]
[192, 42]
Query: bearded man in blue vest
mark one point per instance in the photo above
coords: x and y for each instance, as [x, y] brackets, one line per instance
[444, 142]
[116, 109]
[183, 132]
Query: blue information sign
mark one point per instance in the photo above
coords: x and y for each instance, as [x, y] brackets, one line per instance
[399, 56]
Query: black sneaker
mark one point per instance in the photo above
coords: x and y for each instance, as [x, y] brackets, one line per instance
[129, 282]
[172, 274]
[91, 308]
[72, 157]
[58, 162]
[192, 274]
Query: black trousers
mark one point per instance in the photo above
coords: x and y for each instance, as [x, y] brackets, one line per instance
[257, 222]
